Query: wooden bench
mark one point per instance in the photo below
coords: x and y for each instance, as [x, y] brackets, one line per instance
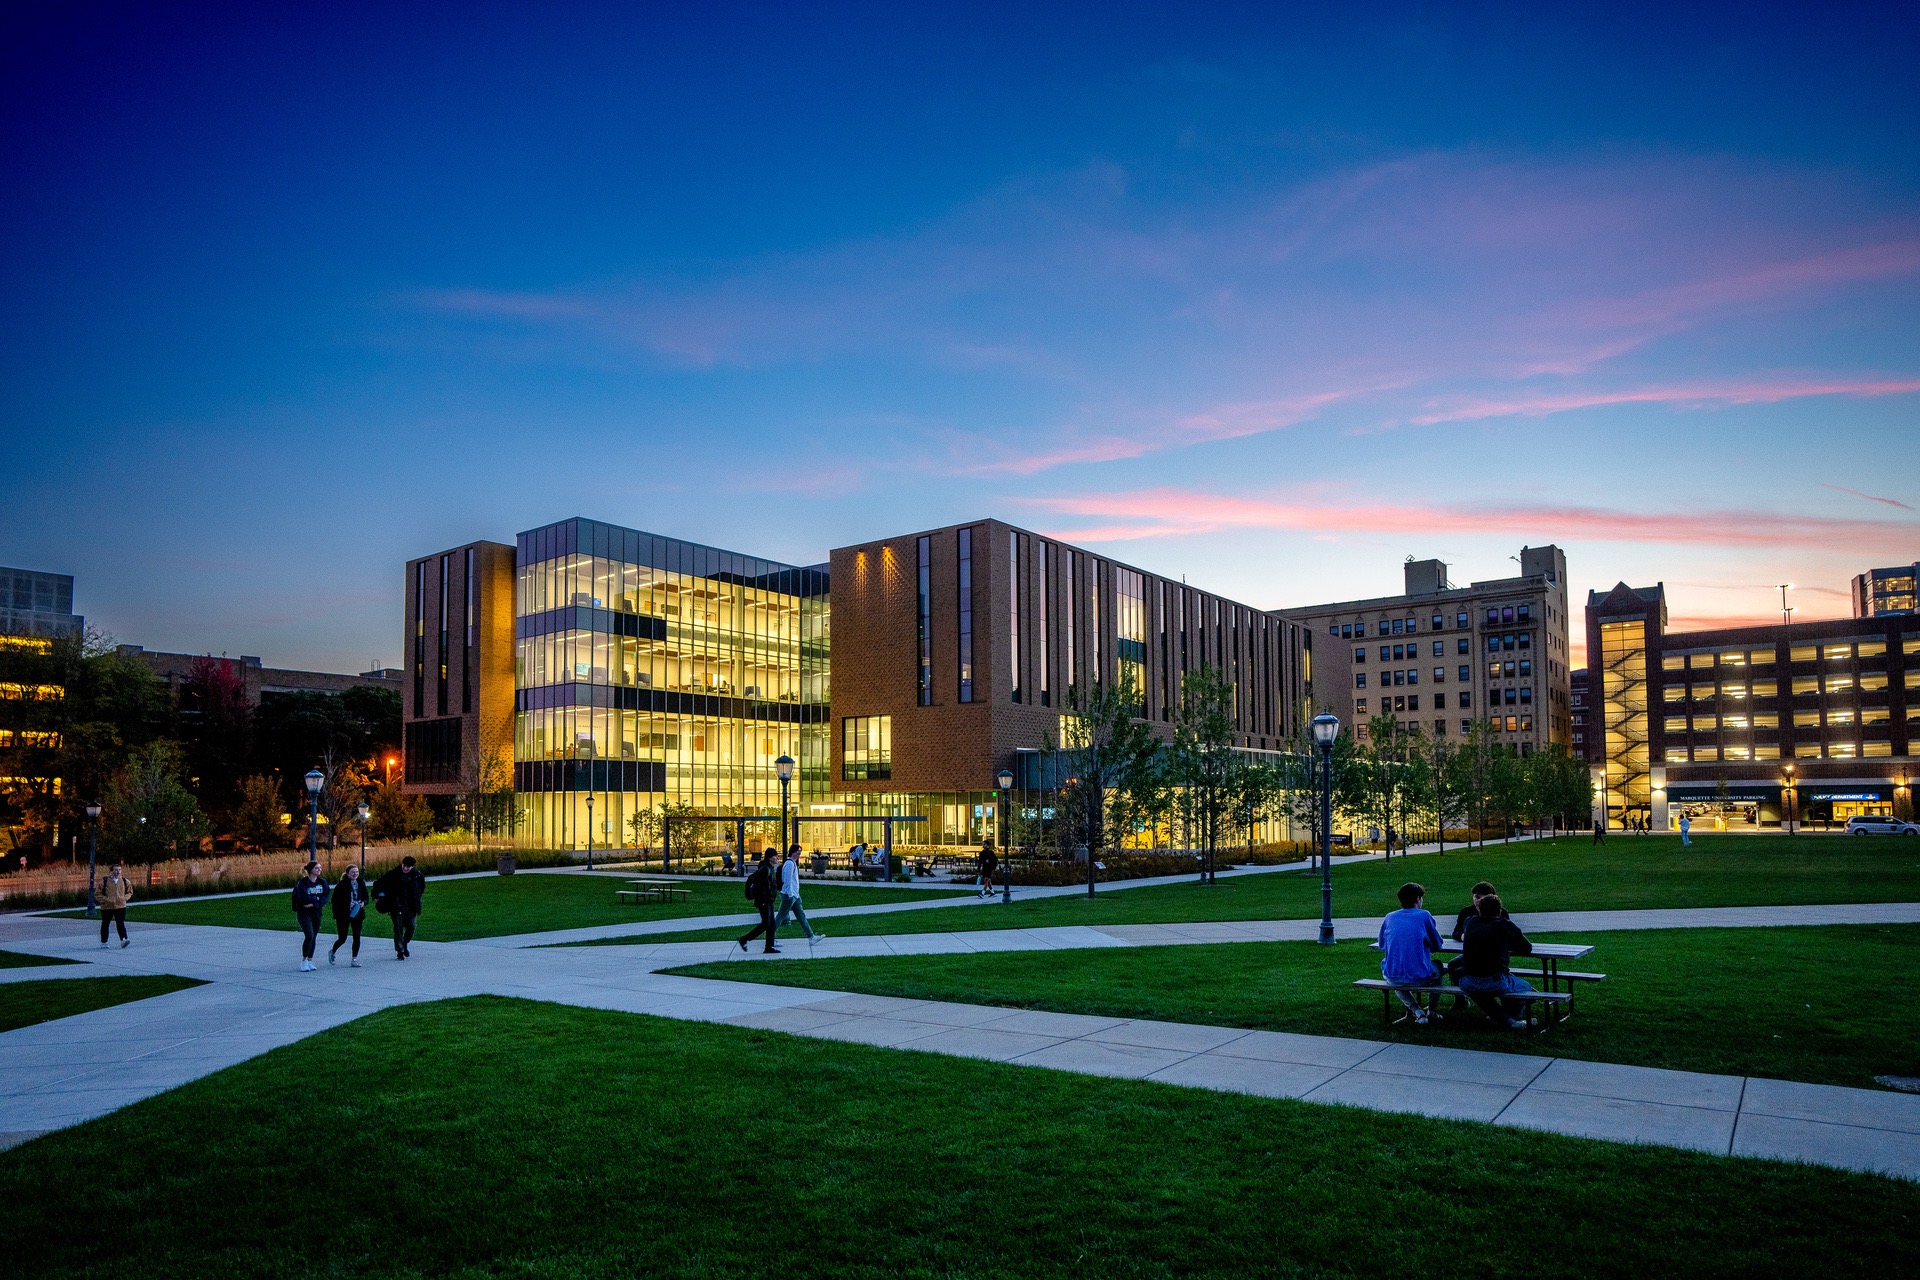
[1551, 1002]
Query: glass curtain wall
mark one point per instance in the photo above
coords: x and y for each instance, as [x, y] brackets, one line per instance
[651, 670]
[1623, 683]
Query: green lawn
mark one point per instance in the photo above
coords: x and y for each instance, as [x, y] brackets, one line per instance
[457, 1139]
[1548, 875]
[1830, 1005]
[19, 960]
[493, 906]
[24, 1003]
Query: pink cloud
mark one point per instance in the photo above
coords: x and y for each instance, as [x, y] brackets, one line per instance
[1172, 512]
[1729, 393]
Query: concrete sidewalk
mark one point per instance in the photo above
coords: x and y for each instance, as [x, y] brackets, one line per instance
[668, 955]
[62, 1073]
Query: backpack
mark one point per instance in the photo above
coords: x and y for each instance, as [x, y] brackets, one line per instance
[749, 888]
[382, 895]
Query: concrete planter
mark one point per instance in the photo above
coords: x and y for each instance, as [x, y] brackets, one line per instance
[506, 864]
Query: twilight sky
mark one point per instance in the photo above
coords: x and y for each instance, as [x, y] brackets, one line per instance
[1268, 298]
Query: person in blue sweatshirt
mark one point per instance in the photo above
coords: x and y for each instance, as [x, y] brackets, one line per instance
[309, 899]
[1408, 939]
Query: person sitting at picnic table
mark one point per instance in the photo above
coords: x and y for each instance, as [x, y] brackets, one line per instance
[1408, 939]
[1491, 940]
[1472, 909]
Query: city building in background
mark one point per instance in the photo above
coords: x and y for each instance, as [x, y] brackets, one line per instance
[901, 675]
[1803, 722]
[33, 603]
[1879, 592]
[1442, 657]
[260, 683]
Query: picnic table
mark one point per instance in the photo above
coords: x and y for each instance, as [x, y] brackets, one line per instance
[1555, 985]
[643, 890]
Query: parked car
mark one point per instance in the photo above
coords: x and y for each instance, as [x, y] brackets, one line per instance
[1881, 825]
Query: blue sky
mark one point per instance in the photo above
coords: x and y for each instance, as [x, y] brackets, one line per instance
[1266, 297]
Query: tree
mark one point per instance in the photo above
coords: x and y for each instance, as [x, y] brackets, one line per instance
[645, 825]
[1563, 786]
[397, 815]
[257, 818]
[1300, 779]
[1507, 788]
[1203, 767]
[73, 708]
[1261, 795]
[215, 724]
[1476, 781]
[1107, 761]
[150, 814]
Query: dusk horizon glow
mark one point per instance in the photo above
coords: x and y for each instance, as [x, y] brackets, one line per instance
[1271, 300]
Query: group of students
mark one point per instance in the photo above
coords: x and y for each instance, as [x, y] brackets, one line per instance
[777, 884]
[398, 894]
[1410, 938]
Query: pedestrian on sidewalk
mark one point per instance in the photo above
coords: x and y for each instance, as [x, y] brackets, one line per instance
[790, 896]
[989, 862]
[400, 893]
[1686, 829]
[349, 913]
[760, 891]
[1599, 830]
[116, 891]
[309, 898]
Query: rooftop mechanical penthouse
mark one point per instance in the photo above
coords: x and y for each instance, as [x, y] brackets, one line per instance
[593, 661]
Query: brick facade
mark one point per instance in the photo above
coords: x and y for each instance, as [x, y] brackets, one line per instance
[471, 704]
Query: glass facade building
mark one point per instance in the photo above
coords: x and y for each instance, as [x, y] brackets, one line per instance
[651, 670]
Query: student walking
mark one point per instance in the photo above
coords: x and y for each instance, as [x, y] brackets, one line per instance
[790, 896]
[116, 891]
[349, 913]
[1686, 832]
[1599, 831]
[400, 893]
[309, 897]
[760, 890]
[989, 863]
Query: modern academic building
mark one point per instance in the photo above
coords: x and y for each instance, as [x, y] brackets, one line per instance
[602, 671]
[1808, 722]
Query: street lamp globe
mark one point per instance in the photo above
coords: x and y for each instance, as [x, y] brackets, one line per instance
[315, 780]
[93, 811]
[1326, 727]
[784, 767]
[365, 813]
[1005, 779]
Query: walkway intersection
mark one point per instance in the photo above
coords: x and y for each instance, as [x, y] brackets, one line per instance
[65, 1072]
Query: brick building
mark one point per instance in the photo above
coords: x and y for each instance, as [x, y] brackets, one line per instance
[1442, 656]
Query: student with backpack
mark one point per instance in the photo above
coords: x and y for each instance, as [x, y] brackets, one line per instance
[400, 893]
[761, 886]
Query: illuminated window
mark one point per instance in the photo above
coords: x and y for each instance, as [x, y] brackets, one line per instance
[1673, 662]
[1877, 749]
[1675, 693]
[1676, 724]
[1705, 724]
[1735, 659]
[1805, 719]
[1873, 682]
[1733, 722]
[1806, 750]
[1706, 753]
[866, 746]
[1766, 720]
[1872, 648]
[1804, 653]
[1765, 688]
[1806, 684]
[1736, 753]
[1766, 751]
[1838, 717]
[1676, 755]
[1842, 750]
[1839, 684]
[1839, 652]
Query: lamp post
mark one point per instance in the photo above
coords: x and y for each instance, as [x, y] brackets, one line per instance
[93, 832]
[784, 768]
[365, 813]
[1005, 779]
[315, 781]
[1789, 798]
[1326, 728]
[589, 830]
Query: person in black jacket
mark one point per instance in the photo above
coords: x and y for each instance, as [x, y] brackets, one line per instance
[989, 862]
[401, 893]
[309, 897]
[349, 913]
[1491, 940]
[1472, 909]
[760, 890]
